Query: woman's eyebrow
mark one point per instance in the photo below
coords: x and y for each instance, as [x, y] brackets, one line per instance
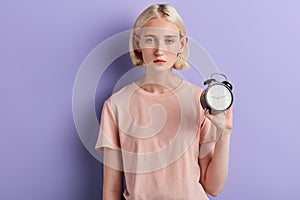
[173, 36]
[149, 35]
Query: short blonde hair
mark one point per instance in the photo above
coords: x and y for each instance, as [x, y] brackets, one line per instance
[168, 13]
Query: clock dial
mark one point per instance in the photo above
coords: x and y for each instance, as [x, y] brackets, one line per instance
[219, 97]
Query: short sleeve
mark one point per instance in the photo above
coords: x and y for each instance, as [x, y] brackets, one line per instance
[108, 131]
[208, 136]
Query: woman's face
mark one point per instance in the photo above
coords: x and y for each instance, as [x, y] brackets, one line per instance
[159, 43]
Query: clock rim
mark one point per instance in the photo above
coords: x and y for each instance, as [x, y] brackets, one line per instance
[230, 92]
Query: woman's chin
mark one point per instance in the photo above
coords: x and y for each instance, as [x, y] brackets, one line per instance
[159, 67]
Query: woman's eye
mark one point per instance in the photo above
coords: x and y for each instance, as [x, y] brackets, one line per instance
[149, 40]
[169, 41]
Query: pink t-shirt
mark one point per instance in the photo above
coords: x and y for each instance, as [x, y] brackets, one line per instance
[160, 139]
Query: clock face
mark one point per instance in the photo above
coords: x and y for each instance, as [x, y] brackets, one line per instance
[219, 97]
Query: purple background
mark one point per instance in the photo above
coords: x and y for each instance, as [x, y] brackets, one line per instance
[43, 43]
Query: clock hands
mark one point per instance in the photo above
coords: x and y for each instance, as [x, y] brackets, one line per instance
[218, 97]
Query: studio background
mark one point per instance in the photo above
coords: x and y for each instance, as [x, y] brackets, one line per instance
[43, 43]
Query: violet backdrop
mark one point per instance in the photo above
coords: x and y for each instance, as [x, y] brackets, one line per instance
[43, 43]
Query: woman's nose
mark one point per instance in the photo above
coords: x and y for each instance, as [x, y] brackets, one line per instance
[159, 49]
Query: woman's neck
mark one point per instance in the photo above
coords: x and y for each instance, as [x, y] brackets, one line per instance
[159, 82]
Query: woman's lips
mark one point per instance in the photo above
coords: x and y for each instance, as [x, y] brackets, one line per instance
[159, 61]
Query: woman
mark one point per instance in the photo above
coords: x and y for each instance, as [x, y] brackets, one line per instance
[154, 130]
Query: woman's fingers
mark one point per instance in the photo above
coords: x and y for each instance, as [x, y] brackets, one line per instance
[221, 120]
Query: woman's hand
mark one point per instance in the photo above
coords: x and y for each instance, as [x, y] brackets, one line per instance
[221, 120]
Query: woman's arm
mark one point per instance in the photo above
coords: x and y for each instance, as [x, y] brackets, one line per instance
[214, 166]
[113, 178]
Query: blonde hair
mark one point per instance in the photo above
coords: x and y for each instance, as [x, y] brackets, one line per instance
[168, 13]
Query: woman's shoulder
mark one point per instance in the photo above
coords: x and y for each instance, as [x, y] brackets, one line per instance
[121, 93]
[194, 86]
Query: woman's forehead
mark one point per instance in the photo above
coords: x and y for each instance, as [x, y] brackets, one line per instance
[160, 26]
[157, 31]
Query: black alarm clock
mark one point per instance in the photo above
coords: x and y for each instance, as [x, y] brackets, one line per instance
[217, 97]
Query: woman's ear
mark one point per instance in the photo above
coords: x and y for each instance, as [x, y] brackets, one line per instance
[136, 43]
[183, 43]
